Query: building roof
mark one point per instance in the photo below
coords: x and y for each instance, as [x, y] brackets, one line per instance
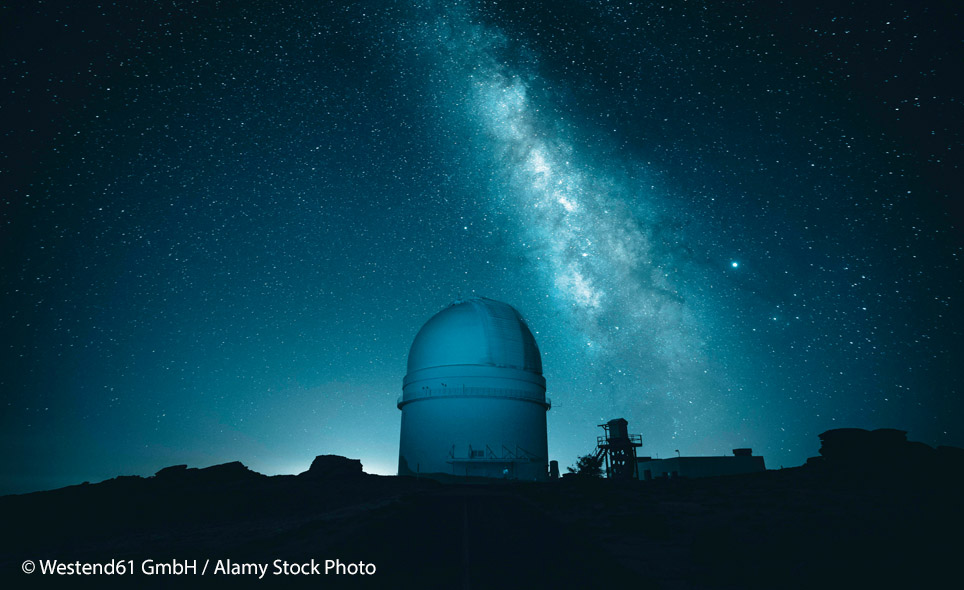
[475, 331]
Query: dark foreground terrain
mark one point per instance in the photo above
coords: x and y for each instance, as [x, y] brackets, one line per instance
[873, 512]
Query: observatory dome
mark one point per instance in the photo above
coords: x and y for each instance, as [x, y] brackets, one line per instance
[474, 399]
[476, 331]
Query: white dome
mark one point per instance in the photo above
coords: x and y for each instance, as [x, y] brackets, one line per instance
[478, 331]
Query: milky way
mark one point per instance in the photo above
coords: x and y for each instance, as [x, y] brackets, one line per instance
[590, 229]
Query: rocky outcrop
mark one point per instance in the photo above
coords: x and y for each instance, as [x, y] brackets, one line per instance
[333, 467]
[884, 452]
[233, 472]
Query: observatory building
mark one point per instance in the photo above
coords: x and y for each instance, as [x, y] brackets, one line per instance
[742, 461]
[474, 400]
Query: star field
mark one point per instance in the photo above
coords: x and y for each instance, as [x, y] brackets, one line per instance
[732, 224]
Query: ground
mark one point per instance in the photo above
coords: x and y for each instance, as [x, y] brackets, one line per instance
[801, 527]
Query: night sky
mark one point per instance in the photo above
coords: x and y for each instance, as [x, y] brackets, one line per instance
[734, 224]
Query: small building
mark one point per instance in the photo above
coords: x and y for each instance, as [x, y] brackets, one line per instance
[742, 461]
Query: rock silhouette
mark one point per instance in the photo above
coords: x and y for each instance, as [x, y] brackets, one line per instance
[333, 467]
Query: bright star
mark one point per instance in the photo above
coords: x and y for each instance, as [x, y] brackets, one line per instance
[735, 264]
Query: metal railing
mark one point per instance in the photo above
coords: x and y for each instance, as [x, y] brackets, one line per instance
[632, 439]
